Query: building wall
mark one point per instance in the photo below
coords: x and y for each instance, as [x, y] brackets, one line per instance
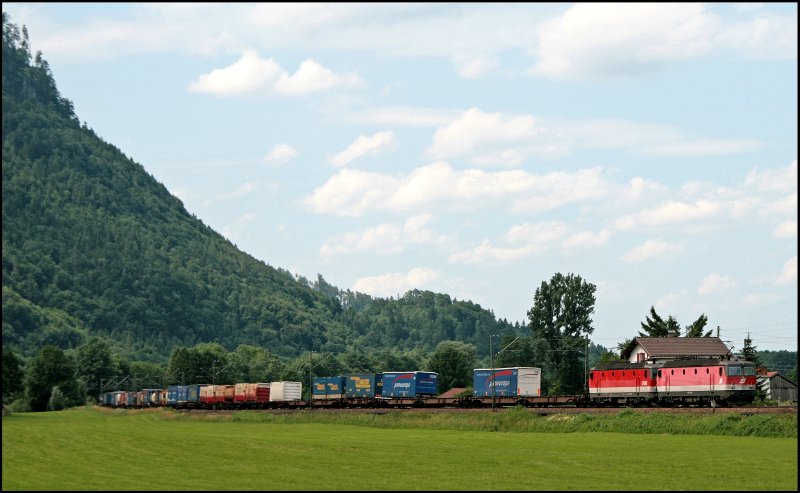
[634, 357]
[779, 388]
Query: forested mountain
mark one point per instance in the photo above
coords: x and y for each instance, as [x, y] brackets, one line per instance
[95, 245]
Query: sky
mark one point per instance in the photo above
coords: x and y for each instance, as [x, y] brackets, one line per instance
[472, 149]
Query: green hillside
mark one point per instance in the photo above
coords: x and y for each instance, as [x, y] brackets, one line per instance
[95, 245]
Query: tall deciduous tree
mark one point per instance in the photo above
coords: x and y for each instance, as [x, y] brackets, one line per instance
[12, 376]
[95, 364]
[454, 362]
[560, 321]
[51, 367]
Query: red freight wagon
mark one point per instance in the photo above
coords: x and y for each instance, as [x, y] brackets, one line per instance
[228, 393]
[240, 392]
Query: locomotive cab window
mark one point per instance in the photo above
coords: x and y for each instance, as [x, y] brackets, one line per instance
[734, 371]
[749, 371]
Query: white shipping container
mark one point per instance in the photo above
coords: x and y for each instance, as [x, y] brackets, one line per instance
[285, 391]
[529, 381]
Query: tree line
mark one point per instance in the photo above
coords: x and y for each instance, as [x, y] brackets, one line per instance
[557, 341]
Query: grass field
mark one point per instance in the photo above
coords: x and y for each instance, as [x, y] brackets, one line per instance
[91, 449]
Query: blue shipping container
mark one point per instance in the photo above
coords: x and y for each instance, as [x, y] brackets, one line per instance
[363, 385]
[151, 396]
[193, 394]
[410, 384]
[506, 382]
[172, 395]
[329, 387]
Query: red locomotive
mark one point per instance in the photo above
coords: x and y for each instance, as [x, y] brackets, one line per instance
[674, 382]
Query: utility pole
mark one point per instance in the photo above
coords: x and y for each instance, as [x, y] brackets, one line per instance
[491, 377]
[311, 379]
[585, 364]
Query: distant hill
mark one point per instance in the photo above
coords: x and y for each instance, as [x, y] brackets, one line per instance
[95, 245]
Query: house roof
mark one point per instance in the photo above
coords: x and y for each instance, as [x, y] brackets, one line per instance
[678, 347]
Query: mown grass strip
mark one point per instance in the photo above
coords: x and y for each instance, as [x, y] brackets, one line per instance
[85, 449]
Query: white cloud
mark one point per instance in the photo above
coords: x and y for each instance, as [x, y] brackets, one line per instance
[537, 238]
[755, 300]
[313, 77]
[395, 283]
[786, 229]
[789, 272]
[588, 239]
[639, 187]
[473, 67]
[622, 39]
[233, 230]
[540, 233]
[279, 154]
[249, 74]
[706, 147]
[353, 193]
[784, 206]
[252, 74]
[774, 180]
[651, 249]
[714, 283]
[670, 301]
[385, 238]
[625, 39]
[669, 213]
[488, 253]
[557, 189]
[240, 191]
[765, 37]
[583, 39]
[363, 145]
[406, 116]
[476, 129]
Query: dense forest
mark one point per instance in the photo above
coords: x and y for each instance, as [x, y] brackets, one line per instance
[94, 245]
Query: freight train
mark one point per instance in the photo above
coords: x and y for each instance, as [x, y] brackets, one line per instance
[689, 382]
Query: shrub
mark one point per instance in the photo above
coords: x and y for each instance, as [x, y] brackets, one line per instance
[57, 400]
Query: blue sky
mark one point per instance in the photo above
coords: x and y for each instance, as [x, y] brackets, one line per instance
[472, 149]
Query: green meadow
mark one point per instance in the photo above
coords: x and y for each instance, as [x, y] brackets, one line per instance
[98, 449]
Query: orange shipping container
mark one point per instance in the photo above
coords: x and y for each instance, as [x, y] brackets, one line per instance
[228, 392]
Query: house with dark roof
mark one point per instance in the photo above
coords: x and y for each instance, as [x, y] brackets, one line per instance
[655, 349]
[777, 387]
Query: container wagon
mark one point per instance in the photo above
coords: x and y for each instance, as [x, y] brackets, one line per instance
[285, 391]
[507, 382]
[410, 384]
[363, 385]
[329, 387]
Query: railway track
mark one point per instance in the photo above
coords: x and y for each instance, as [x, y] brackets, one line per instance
[544, 411]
